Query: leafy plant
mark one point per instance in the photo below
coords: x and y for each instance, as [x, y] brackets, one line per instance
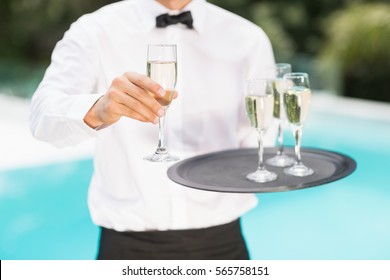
[358, 43]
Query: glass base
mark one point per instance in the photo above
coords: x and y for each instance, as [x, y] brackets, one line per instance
[280, 160]
[299, 170]
[161, 157]
[262, 176]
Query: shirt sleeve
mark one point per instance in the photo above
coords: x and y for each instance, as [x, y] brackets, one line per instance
[260, 59]
[67, 91]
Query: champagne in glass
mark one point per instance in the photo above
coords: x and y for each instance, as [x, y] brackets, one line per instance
[259, 104]
[280, 159]
[297, 101]
[162, 68]
[164, 73]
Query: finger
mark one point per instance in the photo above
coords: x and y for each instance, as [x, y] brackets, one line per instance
[122, 104]
[139, 94]
[175, 95]
[135, 105]
[145, 82]
[145, 98]
[128, 112]
[114, 104]
[121, 87]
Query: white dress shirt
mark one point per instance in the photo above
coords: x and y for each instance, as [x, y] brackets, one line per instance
[214, 59]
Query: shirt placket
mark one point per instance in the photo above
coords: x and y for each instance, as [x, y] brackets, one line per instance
[178, 206]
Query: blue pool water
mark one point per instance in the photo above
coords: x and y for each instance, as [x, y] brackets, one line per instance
[44, 215]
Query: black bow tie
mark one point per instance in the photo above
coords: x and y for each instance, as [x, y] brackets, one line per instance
[165, 19]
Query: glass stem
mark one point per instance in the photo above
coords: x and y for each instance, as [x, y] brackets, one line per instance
[161, 139]
[280, 139]
[260, 151]
[298, 136]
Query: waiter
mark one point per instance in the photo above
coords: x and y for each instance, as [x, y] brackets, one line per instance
[96, 87]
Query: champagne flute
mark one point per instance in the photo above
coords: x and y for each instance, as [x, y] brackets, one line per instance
[259, 104]
[162, 68]
[280, 159]
[297, 100]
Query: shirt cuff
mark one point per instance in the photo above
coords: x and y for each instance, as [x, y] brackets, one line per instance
[81, 104]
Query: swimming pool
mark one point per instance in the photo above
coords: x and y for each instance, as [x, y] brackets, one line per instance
[44, 215]
[44, 212]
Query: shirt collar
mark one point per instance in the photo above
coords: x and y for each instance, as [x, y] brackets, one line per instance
[150, 9]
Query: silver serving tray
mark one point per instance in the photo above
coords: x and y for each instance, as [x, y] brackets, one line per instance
[225, 171]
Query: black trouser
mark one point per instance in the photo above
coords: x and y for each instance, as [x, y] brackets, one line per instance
[224, 242]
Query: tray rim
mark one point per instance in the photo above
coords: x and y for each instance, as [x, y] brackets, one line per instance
[349, 163]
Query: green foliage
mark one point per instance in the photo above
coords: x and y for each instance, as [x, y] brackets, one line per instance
[293, 26]
[360, 34]
[358, 40]
[263, 15]
[32, 27]
[29, 30]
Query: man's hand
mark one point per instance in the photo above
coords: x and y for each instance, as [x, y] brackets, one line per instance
[129, 95]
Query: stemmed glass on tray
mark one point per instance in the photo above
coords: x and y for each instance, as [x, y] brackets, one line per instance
[259, 104]
[280, 159]
[297, 101]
